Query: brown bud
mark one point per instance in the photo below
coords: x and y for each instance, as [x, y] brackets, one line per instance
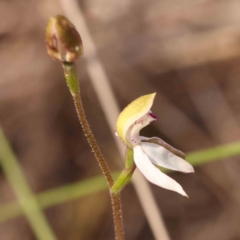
[62, 39]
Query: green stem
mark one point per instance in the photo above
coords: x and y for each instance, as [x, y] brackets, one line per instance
[129, 158]
[26, 199]
[126, 174]
[123, 179]
[72, 81]
[214, 153]
[71, 78]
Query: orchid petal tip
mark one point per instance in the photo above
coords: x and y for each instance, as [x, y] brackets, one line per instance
[184, 194]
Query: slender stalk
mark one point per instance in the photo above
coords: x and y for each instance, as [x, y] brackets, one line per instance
[26, 199]
[91, 140]
[123, 179]
[72, 81]
[126, 175]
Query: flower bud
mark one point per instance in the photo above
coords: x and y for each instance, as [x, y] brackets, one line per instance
[62, 39]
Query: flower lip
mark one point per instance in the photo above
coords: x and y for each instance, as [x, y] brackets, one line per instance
[132, 135]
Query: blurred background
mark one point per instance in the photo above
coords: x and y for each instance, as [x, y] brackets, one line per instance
[186, 51]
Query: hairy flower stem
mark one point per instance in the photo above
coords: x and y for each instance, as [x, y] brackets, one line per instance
[72, 81]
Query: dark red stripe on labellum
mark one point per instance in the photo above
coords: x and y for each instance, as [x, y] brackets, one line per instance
[153, 116]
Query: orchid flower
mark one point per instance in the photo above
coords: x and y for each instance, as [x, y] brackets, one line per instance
[148, 153]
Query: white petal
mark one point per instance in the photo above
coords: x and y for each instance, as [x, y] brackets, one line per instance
[162, 157]
[153, 174]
